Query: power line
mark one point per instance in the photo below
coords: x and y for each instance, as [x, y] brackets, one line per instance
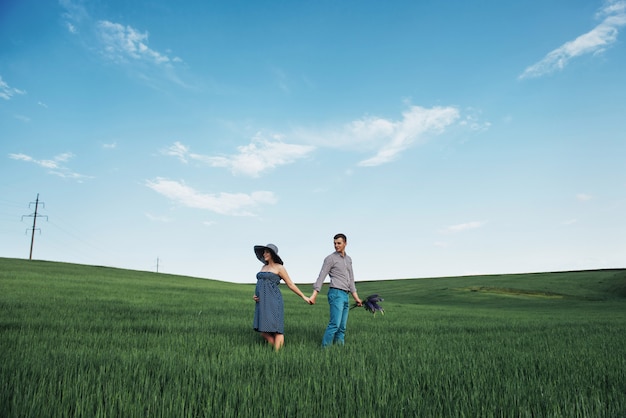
[34, 228]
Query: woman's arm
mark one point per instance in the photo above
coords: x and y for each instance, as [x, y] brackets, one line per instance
[282, 273]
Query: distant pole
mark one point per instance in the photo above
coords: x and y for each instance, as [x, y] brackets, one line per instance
[34, 216]
[157, 264]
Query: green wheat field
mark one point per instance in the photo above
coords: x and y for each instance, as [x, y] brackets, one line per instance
[86, 341]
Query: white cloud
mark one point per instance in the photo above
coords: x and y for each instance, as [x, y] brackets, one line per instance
[7, 92]
[235, 204]
[121, 43]
[259, 156]
[583, 197]
[388, 138]
[64, 157]
[177, 150]
[474, 124]
[593, 42]
[74, 13]
[55, 165]
[251, 160]
[463, 227]
[415, 124]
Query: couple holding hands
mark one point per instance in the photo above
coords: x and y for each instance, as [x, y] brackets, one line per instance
[269, 310]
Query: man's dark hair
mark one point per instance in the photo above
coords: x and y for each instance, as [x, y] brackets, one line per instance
[341, 236]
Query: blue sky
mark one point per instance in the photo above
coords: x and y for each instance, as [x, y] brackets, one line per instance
[443, 138]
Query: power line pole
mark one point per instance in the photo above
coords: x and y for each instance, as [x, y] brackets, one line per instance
[34, 216]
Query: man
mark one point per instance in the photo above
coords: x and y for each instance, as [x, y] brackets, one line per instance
[338, 266]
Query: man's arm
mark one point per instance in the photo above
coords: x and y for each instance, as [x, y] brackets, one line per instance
[326, 266]
[313, 297]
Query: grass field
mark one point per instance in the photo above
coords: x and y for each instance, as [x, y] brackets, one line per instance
[84, 341]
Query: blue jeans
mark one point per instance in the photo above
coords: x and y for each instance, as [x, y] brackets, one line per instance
[339, 308]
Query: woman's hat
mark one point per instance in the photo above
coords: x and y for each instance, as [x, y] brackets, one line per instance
[260, 249]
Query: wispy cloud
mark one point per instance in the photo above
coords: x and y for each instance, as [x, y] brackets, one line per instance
[613, 16]
[235, 204]
[7, 92]
[463, 227]
[120, 43]
[474, 123]
[415, 124]
[179, 151]
[583, 197]
[387, 138]
[55, 166]
[251, 160]
[71, 28]
[74, 11]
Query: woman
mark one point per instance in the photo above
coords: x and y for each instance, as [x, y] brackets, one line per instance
[269, 310]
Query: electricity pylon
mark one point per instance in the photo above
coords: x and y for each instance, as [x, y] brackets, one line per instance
[34, 216]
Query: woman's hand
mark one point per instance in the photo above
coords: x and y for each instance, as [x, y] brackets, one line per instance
[308, 300]
[256, 298]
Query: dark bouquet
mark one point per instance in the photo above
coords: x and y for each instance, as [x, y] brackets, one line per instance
[371, 304]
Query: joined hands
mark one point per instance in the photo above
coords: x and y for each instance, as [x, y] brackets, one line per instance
[310, 301]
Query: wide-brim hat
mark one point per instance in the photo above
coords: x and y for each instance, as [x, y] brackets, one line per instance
[260, 249]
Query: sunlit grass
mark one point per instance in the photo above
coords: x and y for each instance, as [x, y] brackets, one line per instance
[92, 341]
